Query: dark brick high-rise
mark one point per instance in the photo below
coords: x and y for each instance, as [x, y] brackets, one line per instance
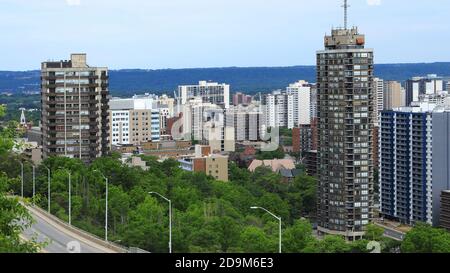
[75, 120]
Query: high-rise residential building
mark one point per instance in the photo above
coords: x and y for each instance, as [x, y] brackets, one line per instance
[375, 143]
[304, 137]
[166, 107]
[289, 108]
[405, 170]
[75, 120]
[210, 92]
[345, 99]
[134, 120]
[447, 86]
[206, 123]
[445, 210]
[275, 109]
[301, 99]
[378, 97]
[240, 98]
[313, 106]
[246, 121]
[167, 102]
[414, 160]
[416, 86]
[441, 157]
[393, 95]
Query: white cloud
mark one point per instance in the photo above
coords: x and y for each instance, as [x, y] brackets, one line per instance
[73, 2]
[373, 2]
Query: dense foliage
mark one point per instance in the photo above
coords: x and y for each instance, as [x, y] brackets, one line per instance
[14, 218]
[277, 154]
[15, 102]
[208, 215]
[425, 239]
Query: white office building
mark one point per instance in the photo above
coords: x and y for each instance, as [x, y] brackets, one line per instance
[134, 120]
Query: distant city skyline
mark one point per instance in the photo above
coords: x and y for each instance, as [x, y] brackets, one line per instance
[203, 33]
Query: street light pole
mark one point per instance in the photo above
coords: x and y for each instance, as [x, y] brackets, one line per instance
[70, 195]
[34, 181]
[48, 179]
[106, 201]
[70, 199]
[279, 224]
[170, 218]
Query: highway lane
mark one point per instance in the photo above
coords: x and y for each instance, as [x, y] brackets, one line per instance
[393, 234]
[45, 230]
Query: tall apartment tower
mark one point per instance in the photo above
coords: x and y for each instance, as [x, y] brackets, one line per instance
[378, 97]
[405, 152]
[74, 98]
[416, 86]
[210, 92]
[394, 95]
[345, 101]
[289, 108]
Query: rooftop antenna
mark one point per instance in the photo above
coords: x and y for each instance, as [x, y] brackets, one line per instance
[345, 6]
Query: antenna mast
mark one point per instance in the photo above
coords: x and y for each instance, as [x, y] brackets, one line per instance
[345, 6]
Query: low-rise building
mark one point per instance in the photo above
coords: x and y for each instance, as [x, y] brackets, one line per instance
[203, 161]
[29, 149]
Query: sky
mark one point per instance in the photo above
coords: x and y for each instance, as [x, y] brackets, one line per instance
[160, 34]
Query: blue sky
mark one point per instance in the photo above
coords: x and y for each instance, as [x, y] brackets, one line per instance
[153, 34]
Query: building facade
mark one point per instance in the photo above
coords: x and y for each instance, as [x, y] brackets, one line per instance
[74, 98]
[441, 158]
[288, 108]
[134, 121]
[379, 97]
[416, 86]
[240, 98]
[445, 210]
[203, 161]
[405, 169]
[304, 137]
[414, 160]
[209, 92]
[345, 99]
[394, 95]
[246, 122]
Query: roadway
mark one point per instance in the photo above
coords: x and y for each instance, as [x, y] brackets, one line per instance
[59, 236]
[391, 232]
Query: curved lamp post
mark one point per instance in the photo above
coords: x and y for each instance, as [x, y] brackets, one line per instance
[70, 194]
[49, 192]
[170, 218]
[106, 205]
[279, 221]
